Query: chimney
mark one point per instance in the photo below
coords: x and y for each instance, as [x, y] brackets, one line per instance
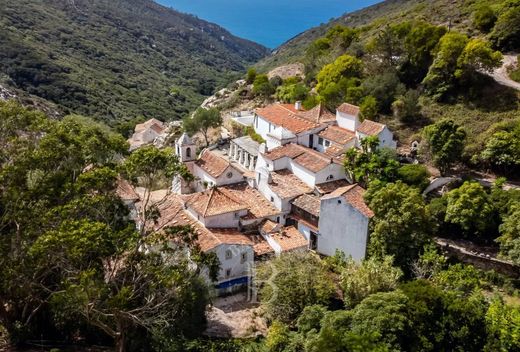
[298, 105]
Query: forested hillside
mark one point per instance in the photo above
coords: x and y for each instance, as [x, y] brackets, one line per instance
[454, 13]
[117, 59]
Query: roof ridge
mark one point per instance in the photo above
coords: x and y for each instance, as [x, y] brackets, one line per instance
[211, 193]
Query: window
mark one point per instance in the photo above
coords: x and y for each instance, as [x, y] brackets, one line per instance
[229, 175]
[188, 152]
[272, 199]
[313, 243]
[320, 141]
[228, 272]
[229, 254]
[278, 219]
[330, 177]
[327, 143]
[237, 215]
[243, 259]
[339, 201]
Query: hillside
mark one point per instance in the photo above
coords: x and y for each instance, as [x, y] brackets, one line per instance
[439, 12]
[117, 60]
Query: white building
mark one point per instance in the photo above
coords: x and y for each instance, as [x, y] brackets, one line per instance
[147, 133]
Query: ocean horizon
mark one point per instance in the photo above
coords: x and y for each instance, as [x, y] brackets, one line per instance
[268, 22]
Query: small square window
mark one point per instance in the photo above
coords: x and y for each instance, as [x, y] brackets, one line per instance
[228, 272]
[320, 141]
[272, 199]
[327, 143]
[243, 259]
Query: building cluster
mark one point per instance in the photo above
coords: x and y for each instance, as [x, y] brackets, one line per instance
[152, 131]
[251, 200]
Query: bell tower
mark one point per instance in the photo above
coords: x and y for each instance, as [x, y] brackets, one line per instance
[185, 148]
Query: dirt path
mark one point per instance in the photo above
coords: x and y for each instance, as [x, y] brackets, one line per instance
[500, 74]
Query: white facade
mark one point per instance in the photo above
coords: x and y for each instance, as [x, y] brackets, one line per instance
[236, 262]
[342, 227]
[386, 138]
[204, 180]
[347, 121]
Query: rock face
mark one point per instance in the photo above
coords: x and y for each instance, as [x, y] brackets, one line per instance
[286, 71]
[6, 94]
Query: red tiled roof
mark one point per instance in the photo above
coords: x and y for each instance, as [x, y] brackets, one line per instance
[125, 191]
[309, 203]
[318, 114]
[261, 246]
[172, 213]
[286, 116]
[268, 226]
[258, 207]
[286, 185]
[353, 194]
[212, 163]
[150, 124]
[214, 202]
[328, 187]
[337, 135]
[370, 128]
[349, 109]
[335, 151]
[308, 158]
[289, 238]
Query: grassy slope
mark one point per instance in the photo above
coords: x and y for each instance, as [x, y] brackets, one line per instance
[117, 59]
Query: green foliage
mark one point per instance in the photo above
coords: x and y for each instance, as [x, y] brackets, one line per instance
[262, 87]
[345, 66]
[292, 92]
[506, 32]
[291, 282]
[470, 208]
[203, 121]
[407, 108]
[311, 318]
[503, 325]
[484, 18]
[250, 131]
[115, 70]
[277, 337]
[368, 107]
[371, 163]
[416, 175]
[251, 75]
[510, 236]
[358, 281]
[502, 151]
[462, 278]
[445, 143]
[401, 225]
[384, 88]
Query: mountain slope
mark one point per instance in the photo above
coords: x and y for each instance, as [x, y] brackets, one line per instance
[456, 13]
[117, 59]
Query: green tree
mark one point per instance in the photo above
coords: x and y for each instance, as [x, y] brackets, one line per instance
[371, 163]
[401, 225]
[291, 282]
[345, 66]
[278, 337]
[251, 75]
[510, 236]
[407, 108]
[311, 318]
[506, 32]
[477, 56]
[414, 175]
[203, 121]
[262, 87]
[470, 207]
[290, 93]
[383, 313]
[503, 325]
[369, 107]
[384, 88]
[445, 143]
[359, 280]
[484, 18]
[502, 151]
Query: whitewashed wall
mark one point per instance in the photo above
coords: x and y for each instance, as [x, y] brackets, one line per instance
[347, 121]
[238, 268]
[335, 170]
[342, 227]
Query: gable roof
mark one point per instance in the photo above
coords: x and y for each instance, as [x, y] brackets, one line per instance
[214, 202]
[257, 205]
[289, 238]
[125, 190]
[212, 163]
[285, 115]
[337, 135]
[310, 203]
[318, 114]
[349, 109]
[353, 194]
[370, 128]
[287, 185]
[310, 159]
[153, 123]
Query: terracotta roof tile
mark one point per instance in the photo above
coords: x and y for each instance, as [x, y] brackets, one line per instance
[309, 203]
[289, 238]
[337, 135]
[286, 116]
[308, 158]
[318, 114]
[125, 190]
[370, 128]
[328, 187]
[258, 207]
[268, 226]
[349, 109]
[353, 194]
[214, 202]
[335, 151]
[212, 163]
[290, 150]
[149, 124]
[286, 185]
[261, 246]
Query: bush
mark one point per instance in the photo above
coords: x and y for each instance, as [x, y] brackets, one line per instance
[506, 33]
[484, 18]
[414, 175]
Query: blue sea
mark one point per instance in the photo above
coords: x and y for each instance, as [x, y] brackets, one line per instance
[268, 22]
